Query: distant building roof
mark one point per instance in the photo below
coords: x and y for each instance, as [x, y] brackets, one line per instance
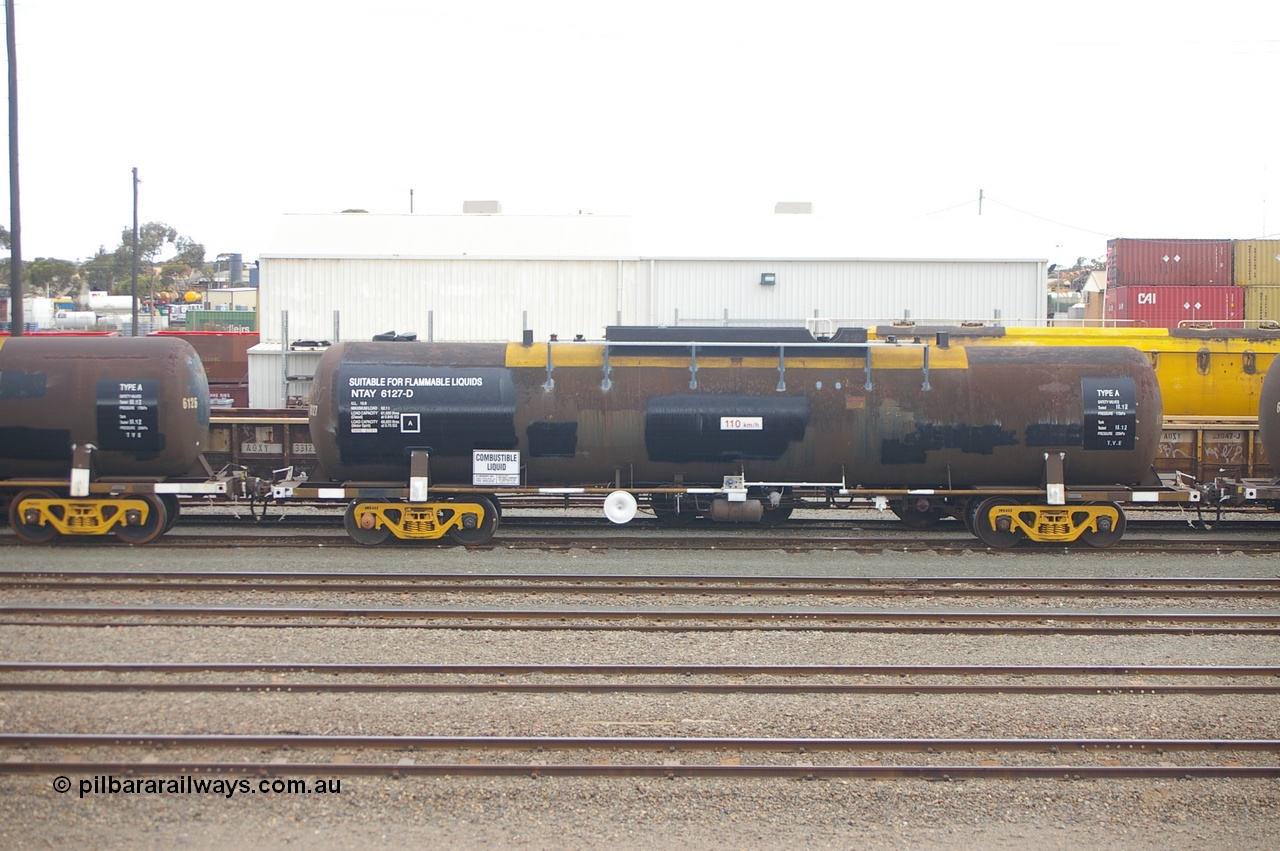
[408, 236]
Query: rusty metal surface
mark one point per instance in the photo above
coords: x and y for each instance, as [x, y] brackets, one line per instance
[1269, 411]
[144, 402]
[987, 417]
[225, 354]
[261, 444]
[1208, 449]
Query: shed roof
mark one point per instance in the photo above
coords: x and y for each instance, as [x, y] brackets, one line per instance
[408, 236]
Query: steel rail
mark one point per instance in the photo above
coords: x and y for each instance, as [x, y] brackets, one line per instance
[643, 614]
[634, 743]
[490, 688]
[408, 768]
[1026, 582]
[338, 583]
[668, 628]
[254, 575]
[958, 544]
[631, 670]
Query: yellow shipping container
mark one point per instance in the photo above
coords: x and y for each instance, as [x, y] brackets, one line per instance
[1257, 263]
[1262, 304]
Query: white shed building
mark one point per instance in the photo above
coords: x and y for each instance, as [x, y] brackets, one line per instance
[490, 277]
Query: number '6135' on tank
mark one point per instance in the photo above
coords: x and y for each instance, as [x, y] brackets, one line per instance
[747, 430]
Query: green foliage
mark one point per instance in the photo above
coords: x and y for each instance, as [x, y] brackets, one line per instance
[175, 274]
[190, 253]
[49, 273]
[152, 237]
[112, 271]
[147, 284]
[104, 268]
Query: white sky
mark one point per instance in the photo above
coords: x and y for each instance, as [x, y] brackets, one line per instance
[1085, 119]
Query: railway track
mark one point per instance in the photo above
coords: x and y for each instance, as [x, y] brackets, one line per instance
[275, 537]
[273, 582]
[669, 603]
[304, 678]
[159, 670]
[602, 619]
[720, 757]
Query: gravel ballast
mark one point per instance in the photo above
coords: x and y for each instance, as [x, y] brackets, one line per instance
[631, 813]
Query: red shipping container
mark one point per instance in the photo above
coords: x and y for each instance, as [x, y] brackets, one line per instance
[1166, 306]
[1170, 262]
[225, 354]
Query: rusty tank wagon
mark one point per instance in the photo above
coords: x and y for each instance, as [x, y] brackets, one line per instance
[1019, 442]
[1269, 411]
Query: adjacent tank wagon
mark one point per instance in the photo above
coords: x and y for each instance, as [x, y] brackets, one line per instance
[1269, 413]
[128, 410]
[1235, 491]
[142, 403]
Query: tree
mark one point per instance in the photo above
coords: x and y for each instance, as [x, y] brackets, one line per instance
[50, 273]
[103, 269]
[152, 237]
[6, 241]
[190, 253]
[174, 274]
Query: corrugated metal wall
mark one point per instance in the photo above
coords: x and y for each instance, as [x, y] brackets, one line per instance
[493, 299]
[866, 292]
[267, 387]
[442, 299]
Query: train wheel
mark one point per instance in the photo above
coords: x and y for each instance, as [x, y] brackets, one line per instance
[172, 509]
[1106, 538]
[665, 509]
[371, 536]
[966, 514]
[1002, 536]
[34, 532]
[481, 532]
[148, 530]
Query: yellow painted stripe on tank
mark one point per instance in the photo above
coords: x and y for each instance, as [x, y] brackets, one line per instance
[1137, 337]
[576, 354]
[903, 357]
[587, 355]
[2, 339]
[1143, 339]
[709, 362]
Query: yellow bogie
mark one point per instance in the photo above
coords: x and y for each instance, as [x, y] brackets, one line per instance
[1096, 524]
[470, 522]
[82, 516]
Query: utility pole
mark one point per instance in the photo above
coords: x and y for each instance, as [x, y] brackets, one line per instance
[410, 202]
[15, 224]
[135, 252]
[979, 202]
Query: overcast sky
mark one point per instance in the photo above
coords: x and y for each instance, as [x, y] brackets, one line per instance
[1085, 119]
